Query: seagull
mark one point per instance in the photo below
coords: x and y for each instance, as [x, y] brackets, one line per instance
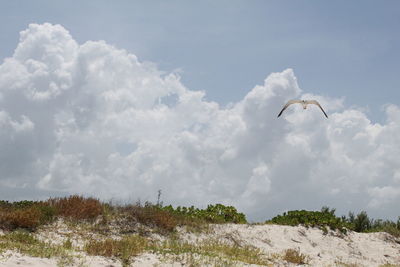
[304, 103]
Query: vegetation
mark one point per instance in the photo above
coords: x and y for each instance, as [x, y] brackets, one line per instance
[129, 247]
[137, 222]
[212, 214]
[362, 223]
[25, 243]
[167, 218]
[76, 207]
[326, 218]
[322, 219]
[123, 249]
[213, 249]
[31, 214]
[294, 256]
[25, 214]
[150, 215]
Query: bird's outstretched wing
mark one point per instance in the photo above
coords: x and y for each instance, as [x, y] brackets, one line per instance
[288, 104]
[315, 102]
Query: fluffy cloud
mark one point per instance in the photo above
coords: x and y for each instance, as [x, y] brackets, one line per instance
[92, 119]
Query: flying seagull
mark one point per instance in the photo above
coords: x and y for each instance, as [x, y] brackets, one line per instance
[304, 103]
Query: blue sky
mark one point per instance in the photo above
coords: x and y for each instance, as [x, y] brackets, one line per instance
[182, 96]
[340, 49]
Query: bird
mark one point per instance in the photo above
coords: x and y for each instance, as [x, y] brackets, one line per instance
[304, 103]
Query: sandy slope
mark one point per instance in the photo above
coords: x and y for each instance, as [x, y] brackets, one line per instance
[332, 249]
[363, 249]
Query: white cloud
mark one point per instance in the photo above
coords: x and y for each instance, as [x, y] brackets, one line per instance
[93, 119]
[380, 196]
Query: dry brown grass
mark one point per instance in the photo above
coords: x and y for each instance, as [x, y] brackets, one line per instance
[26, 215]
[152, 216]
[77, 207]
[123, 249]
[294, 256]
[31, 214]
[28, 218]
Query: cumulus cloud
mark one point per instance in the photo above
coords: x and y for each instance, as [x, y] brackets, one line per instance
[92, 119]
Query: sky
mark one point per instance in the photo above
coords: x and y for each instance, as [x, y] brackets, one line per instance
[118, 100]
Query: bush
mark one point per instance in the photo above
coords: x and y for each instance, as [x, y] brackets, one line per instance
[153, 215]
[326, 218]
[212, 214]
[225, 214]
[25, 214]
[28, 218]
[77, 207]
[31, 214]
[322, 219]
[362, 223]
[167, 218]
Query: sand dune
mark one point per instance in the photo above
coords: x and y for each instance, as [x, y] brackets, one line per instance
[329, 249]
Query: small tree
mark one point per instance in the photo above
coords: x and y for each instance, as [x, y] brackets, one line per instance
[398, 223]
[362, 222]
[326, 209]
[351, 217]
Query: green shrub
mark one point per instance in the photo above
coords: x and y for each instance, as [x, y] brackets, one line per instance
[212, 214]
[167, 218]
[326, 218]
[362, 223]
[321, 219]
[48, 213]
[25, 204]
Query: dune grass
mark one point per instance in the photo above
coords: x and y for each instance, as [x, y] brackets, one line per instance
[209, 250]
[294, 256]
[212, 248]
[25, 243]
[124, 249]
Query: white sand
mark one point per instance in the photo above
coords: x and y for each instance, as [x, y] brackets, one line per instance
[10, 258]
[362, 249]
[332, 249]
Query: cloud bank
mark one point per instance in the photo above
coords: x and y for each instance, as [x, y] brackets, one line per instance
[92, 119]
